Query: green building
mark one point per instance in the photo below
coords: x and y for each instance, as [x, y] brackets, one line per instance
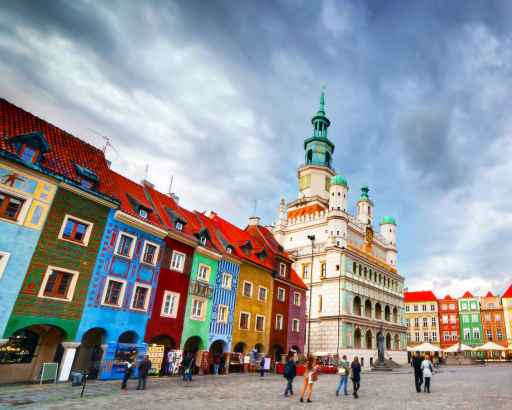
[470, 324]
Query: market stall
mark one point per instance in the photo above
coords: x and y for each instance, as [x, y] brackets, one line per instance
[117, 356]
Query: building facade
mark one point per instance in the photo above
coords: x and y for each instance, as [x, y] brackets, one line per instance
[421, 317]
[469, 319]
[448, 321]
[355, 289]
[493, 320]
[506, 301]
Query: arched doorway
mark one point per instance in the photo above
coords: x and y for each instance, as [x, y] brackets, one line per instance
[397, 342]
[128, 337]
[216, 357]
[277, 351]
[89, 353]
[387, 313]
[357, 339]
[395, 315]
[368, 338]
[259, 347]
[378, 311]
[193, 345]
[388, 341]
[357, 306]
[239, 347]
[168, 344]
[368, 308]
[20, 348]
[296, 349]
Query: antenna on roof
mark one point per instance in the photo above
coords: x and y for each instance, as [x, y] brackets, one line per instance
[255, 207]
[171, 190]
[107, 144]
[146, 172]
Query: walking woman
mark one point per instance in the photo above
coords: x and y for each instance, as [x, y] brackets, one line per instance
[310, 377]
[426, 366]
[356, 375]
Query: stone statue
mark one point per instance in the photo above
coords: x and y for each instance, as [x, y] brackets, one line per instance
[380, 346]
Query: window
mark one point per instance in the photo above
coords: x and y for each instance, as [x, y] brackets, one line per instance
[408, 322]
[197, 309]
[296, 325]
[178, 226]
[75, 230]
[424, 308]
[464, 306]
[296, 299]
[434, 336]
[476, 333]
[202, 240]
[445, 319]
[245, 319]
[415, 308]
[323, 269]
[262, 293]
[473, 305]
[465, 318]
[416, 322]
[140, 298]
[247, 289]
[10, 206]
[125, 245]
[487, 317]
[446, 336]
[425, 322]
[417, 337]
[407, 308]
[143, 213]
[425, 337]
[454, 335]
[222, 314]
[178, 261]
[227, 280]
[86, 183]
[432, 308]
[58, 283]
[150, 253]
[170, 304]
[260, 323]
[489, 335]
[497, 318]
[4, 257]
[319, 303]
[452, 306]
[28, 154]
[474, 317]
[279, 322]
[282, 270]
[434, 321]
[203, 273]
[113, 293]
[499, 334]
[305, 271]
[281, 295]
[444, 307]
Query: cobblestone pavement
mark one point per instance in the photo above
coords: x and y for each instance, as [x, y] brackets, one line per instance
[488, 387]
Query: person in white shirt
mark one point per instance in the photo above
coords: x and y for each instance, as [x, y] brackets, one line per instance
[427, 368]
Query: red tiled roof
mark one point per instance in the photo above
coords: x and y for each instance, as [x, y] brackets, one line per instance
[130, 193]
[214, 241]
[65, 150]
[296, 280]
[467, 295]
[448, 297]
[508, 292]
[419, 296]
[307, 210]
[489, 295]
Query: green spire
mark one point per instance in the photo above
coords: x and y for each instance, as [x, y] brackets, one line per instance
[364, 193]
[321, 111]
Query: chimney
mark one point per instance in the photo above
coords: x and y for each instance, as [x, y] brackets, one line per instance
[146, 183]
[254, 220]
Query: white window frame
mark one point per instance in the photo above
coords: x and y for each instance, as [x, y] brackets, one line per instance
[132, 247]
[121, 294]
[208, 269]
[157, 253]
[203, 310]
[72, 286]
[296, 296]
[223, 319]
[282, 269]
[3, 262]
[279, 322]
[243, 288]
[283, 291]
[22, 215]
[87, 235]
[266, 293]
[256, 324]
[229, 277]
[182, 264]
[174, 313]
[298, 325]
[248, 320]
[179, 226]
[146, 302]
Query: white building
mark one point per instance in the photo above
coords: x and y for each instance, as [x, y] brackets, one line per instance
[356, 288]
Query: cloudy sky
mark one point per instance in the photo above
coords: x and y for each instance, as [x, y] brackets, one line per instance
[219, 94]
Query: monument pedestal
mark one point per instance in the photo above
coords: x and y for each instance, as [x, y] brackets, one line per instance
[381, 367]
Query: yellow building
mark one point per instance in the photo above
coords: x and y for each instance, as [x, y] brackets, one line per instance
[421, 318]
[507, 312]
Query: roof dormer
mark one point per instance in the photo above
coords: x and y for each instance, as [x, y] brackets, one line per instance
[246, 247]
[88, 179]
[261, 254]
[141, 210]
[203, 236]
[30, 147]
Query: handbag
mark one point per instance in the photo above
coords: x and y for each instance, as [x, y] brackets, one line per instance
[342, 371]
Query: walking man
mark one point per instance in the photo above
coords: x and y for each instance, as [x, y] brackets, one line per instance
[343, 371]
[127, 374]
[144, 368]
[418, 377]
[290, 371]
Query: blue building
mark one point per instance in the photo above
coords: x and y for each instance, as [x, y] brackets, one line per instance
[122, 290]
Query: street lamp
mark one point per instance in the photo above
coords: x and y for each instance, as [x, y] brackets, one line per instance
[312, 239]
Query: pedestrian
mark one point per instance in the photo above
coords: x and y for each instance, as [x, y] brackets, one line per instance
[426, 366]
[418, 376]
[262, 366]
[127, 373]
[216, 364]
[144, 368]
[222, 368]
[170, 363]
[355, 368]
[188, 364]
[290, 371]
[343, 372]
[310, 377]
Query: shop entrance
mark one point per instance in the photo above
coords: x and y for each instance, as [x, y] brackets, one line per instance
[158, 350]
[239, 347]
[90, 352]
[192, 345]
[277, 351]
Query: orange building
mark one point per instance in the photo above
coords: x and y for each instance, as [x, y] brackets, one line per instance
[493, 320]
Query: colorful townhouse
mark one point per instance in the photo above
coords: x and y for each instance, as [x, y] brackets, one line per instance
[469, 319]
[165, 327]
[48, 308]
[506, 300]
[493, 320]
[253, 309]
[121, 292]
[448, 321]
[421, 317]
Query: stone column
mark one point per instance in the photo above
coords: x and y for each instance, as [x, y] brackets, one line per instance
[67, 360]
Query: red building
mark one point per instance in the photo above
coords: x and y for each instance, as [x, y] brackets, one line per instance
[493, 320]
[166, 323]
[448, 321]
